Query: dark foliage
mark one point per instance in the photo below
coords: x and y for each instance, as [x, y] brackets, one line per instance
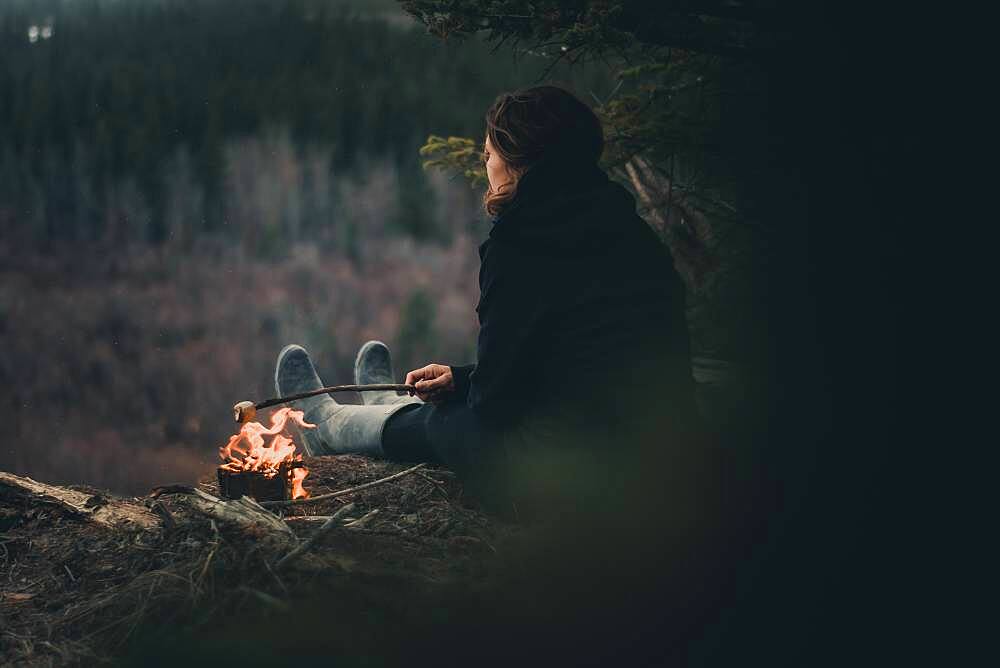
[109, 112]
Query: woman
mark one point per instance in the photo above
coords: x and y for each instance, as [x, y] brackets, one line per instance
[582, 345]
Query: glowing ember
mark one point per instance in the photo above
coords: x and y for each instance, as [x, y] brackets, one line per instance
[247, 451]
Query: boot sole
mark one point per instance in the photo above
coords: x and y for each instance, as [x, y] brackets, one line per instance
[281, 358]
[361, 353]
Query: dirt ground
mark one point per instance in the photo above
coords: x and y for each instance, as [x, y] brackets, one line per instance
[73, 591]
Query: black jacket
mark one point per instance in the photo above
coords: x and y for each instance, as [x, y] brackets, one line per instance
[579, 302]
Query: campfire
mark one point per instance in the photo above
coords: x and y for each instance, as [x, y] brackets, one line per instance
[265, 471]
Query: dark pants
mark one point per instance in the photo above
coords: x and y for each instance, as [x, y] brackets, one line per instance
[405, 436]
[531, 464]
[450, 434]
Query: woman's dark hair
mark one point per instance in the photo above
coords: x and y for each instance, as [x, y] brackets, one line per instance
[536, 122]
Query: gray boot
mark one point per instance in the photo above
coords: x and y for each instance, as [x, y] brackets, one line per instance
[374, 365]
[340, 428]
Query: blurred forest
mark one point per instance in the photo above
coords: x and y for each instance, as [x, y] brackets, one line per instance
[188, 185]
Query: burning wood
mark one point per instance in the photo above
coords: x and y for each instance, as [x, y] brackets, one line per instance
[265, 471]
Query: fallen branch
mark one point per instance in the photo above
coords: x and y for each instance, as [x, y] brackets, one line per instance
[343, 492]
[243, 512]
[322, 531]
[103, 510]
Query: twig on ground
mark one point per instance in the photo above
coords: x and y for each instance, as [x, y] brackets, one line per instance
[302, 548]
[349, 490]
[266, 598]
[196, 585]
[437, 486]
[362, 521]
[277, 579]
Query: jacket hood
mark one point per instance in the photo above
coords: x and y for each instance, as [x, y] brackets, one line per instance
[565, 205]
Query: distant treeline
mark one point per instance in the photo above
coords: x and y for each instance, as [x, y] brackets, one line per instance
[171, 121]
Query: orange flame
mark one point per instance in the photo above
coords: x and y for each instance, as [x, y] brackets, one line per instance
[246, 451]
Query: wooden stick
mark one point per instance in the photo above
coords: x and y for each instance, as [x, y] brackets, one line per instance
[301, 549]
[245, 411]
[349, 490]
[399, 387]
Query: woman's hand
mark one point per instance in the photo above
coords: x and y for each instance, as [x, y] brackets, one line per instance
[433, 382]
